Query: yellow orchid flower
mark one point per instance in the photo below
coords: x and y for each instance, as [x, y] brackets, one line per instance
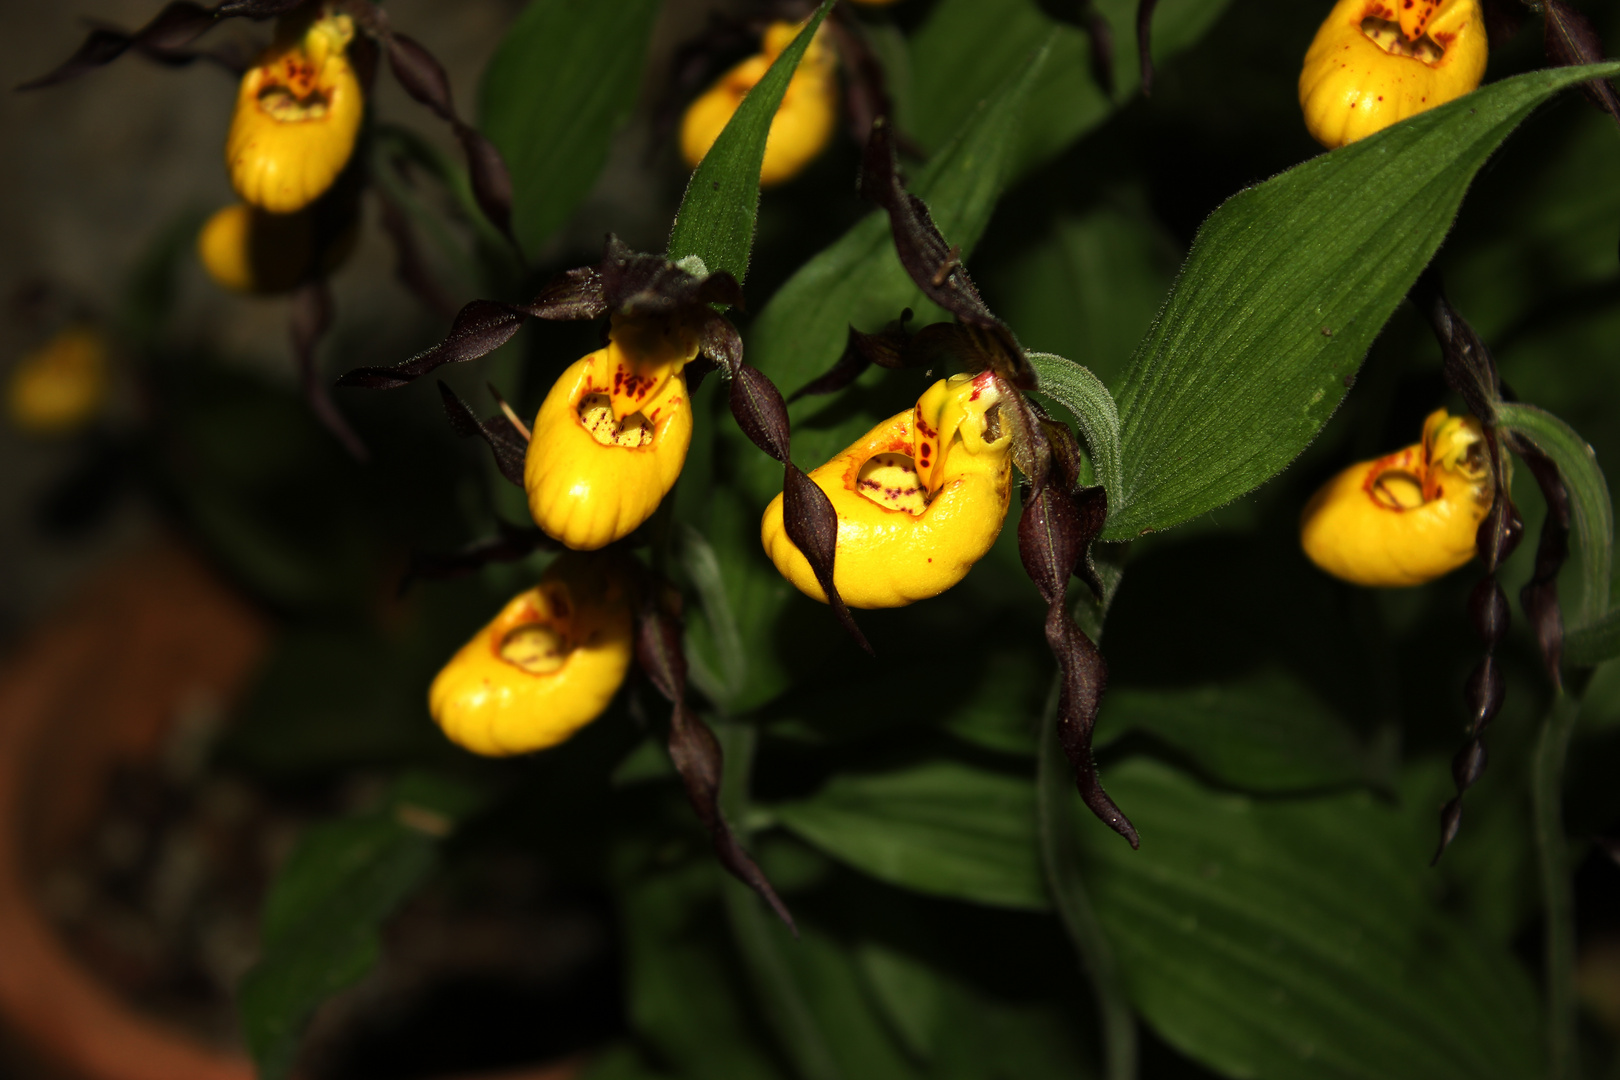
[1408, 517]
[1376, 62]
[297, 115]
[804, 121]
[611, 436]
[920, 498]
[61, 385]
[543, 668]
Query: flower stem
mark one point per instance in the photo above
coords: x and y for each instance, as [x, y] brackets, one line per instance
[1055, 797]
[1552, 853]
[758, 935]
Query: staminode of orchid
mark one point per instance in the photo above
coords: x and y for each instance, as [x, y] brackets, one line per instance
[1376, 62]
[1408, 517]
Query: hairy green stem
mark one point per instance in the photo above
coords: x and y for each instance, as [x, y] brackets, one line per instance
[1552, 853]
[758, 934]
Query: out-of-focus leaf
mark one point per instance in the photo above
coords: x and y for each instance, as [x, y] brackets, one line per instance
[716, 218]
[1267, 734]
[940, 828]
[969, 47]
[563, 82]
[1089, 288]
[321, 925]
[1589, 499]
[1284, 290]
[718, 660]
[1301, 938]
[1083, 394]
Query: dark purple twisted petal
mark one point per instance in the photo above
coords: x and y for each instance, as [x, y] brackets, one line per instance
[1468, 366]
[1055, 532]
[811, 523]
[171, 30]
[480, 328]
[693, 748]
[509, 445]
[1144, 42]
[509, 544]
[309, 318]
[421, 75]
[1539, 598]
[1570, 40]
[1100, 37]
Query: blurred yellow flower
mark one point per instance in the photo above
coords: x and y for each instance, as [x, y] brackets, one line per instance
[920, 498]
[62, 385]
[1407, 517]
[804, 121]
[1372, 65]
[543, 668]
[297, 115]
[611, 436]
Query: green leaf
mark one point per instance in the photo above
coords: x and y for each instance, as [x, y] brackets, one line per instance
[1301, 939]
[1083, 394]
[968, 48]
[321, 925]
[940, 828]
[560, 86]
[717, 634]
[1267, 734]
[859, 280]
[1590, 505]
[716, 218]
[1285, 289]
[1594, 643]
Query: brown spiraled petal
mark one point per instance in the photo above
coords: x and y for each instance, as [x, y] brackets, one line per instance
[172, 29]
[719, 341]
[1468, 366]
[409, 264]
[1539, 598]
[887, 348]
[480, 328]
[934, 265]
[1144, 42]
[1571, 41]
[693, 748]
[811, 523]
[257, 9]
[1055, 532]
[760, 411]
[509, 544]
[868, 86]
[638, 284]
[505, 441]
[308, 321]
[424, 79]
[1101, 38]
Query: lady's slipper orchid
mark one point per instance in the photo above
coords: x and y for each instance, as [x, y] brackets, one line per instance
[61, 385]
[920, 498]
[1408, 517]
[297, 115]
[804, 121]
[543, 668]
[611, 437]
[1376, 62]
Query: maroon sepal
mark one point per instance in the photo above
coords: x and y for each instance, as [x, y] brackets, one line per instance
[309, 318]
[1144, 42]
[887, 349]
[166, 38]
[1571, 41]
[624, 281]
[1055, 532]
[509, 544]
[692, 746]
[509, 444]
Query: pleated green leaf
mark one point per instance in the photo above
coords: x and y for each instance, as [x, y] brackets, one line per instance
[1285, 288]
